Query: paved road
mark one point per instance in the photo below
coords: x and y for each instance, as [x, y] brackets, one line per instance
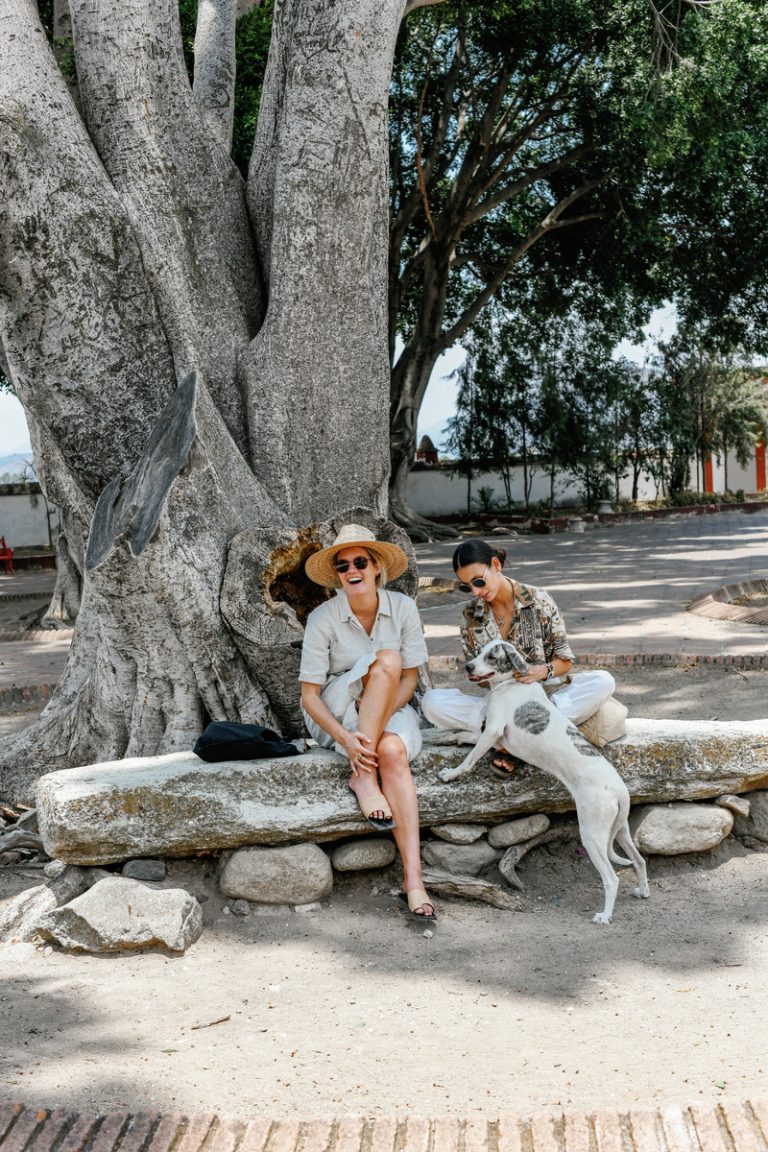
[623, 590]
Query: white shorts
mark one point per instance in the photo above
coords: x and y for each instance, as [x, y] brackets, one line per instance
[339, 696]
[455, 711]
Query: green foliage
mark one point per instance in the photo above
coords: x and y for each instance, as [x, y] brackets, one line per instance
[252, 47]
[708, 403]
[514, 111]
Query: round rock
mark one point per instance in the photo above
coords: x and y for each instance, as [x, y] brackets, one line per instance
[459, 833]
[299, 874]
[144, 869]
[518, 831]
[673, 829]
[359, 855]
[460, 859]
[755, 824]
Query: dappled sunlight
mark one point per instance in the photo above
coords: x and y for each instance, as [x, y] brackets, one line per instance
[302, 1015]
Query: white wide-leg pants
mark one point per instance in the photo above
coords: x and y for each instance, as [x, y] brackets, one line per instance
[455, 711]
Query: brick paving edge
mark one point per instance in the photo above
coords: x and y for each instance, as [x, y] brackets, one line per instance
[635, 659]
[725, 1126]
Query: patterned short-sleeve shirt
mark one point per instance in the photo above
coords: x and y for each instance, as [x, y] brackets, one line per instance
[537, 629]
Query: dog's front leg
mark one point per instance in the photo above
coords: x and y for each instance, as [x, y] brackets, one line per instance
[488, 740]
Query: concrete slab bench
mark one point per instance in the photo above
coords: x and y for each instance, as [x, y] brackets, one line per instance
[177, 805]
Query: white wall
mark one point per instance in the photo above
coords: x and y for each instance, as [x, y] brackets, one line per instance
[23, 519]
[738, 477]
[438, 492]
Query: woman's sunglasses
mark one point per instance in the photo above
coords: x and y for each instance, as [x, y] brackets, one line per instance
[360, 562]
[475, 582]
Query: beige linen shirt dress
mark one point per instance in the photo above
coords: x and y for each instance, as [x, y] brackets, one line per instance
[337, 653]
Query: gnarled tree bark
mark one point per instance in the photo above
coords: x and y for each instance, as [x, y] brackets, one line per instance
[205, 374]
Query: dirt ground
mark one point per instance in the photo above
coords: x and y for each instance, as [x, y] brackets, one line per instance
[352, 1008]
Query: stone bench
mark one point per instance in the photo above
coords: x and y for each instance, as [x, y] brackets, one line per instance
[177, 805]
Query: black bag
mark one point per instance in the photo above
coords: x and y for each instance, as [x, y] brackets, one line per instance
[223, 740]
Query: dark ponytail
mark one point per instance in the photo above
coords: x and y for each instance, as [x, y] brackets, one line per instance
[476, 551]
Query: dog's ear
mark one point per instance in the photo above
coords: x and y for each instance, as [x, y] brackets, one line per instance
[515, 662]
[502, 659]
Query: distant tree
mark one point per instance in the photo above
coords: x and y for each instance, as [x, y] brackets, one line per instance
[740, 410]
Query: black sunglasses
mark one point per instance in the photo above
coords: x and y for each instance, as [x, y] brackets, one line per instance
[475, 582]
[360, 562]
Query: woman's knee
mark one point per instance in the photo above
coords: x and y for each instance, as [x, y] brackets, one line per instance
[604, 682]
[393, 758]
[387, 663]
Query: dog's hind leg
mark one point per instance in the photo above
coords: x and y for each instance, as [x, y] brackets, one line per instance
[624, 837]
[597, 850]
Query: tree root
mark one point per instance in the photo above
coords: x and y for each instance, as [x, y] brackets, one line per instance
[473, 888]
[514, 855]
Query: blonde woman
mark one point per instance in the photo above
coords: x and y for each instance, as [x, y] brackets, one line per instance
[359, 668]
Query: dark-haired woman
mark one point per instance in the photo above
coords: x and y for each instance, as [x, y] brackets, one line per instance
[528, 617]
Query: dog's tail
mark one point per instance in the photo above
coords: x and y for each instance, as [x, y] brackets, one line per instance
[615, 859]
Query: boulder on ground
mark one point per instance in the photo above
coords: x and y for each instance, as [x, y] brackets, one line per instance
[118, 915]
[358, 855]
[21, 917]
[460, 859]
[299, 874]
[518, 831]
[673, 829]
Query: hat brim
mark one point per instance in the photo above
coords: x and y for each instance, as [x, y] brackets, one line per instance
[319, 567]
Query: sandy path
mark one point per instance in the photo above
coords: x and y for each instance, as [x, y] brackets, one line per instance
[351, 1009]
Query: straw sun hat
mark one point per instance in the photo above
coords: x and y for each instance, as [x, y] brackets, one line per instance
[319, 567]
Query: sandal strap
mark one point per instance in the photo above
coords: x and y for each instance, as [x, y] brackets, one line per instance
[417, 898]
[376, 802]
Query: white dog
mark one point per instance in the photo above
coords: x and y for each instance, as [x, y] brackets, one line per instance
[522, 719]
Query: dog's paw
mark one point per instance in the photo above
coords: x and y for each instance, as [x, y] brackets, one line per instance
[641, 893]
[447, 774]
[601, 918]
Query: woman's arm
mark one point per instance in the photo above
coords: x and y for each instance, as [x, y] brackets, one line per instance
[355, 744]
[540, 672]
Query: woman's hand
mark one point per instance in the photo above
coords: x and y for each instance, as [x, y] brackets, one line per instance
[535, 674]
[362, 757]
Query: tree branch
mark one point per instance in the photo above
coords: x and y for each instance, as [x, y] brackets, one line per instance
[76, 281]
[214, 83]
[185, 198]
[550, 222]
[518, 186]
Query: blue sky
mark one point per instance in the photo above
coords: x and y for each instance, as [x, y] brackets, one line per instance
[439, 401]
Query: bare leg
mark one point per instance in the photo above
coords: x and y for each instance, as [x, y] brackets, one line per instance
[376, 706]
[399, 789]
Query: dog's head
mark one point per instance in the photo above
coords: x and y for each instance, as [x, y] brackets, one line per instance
[497, 659]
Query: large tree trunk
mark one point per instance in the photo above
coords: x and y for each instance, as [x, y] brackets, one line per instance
[409, 380]
[206, 377]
